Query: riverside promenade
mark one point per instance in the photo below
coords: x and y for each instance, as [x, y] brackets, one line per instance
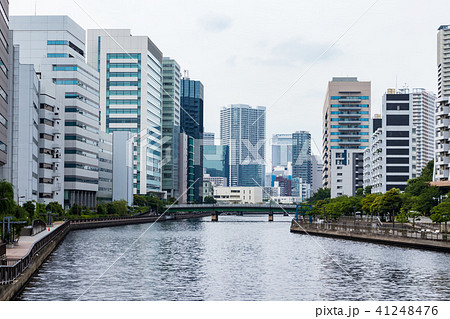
[372, 230]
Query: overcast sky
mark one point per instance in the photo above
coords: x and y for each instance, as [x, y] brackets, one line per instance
[251, 51]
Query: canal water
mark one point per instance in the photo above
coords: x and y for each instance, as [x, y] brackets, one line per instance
[237, 258]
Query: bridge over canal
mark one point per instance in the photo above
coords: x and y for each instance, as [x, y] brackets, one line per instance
[237, 209]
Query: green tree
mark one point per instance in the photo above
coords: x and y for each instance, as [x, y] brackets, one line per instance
[7, 203]
[441, 214]
[120, 207]
[320, 194]
[30, 208]
[209, 200]
[55, 208]
[140, 200]
[367, 202]
[414, 216]
[75, 210]
[360, 192]
[367, 190]
[101, 209]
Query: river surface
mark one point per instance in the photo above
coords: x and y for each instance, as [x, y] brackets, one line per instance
[237, 258]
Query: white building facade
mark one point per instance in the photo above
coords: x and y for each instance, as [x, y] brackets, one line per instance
[55, 45]
[130, 69]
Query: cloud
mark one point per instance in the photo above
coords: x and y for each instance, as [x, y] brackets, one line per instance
[296, 51]
[215, 22]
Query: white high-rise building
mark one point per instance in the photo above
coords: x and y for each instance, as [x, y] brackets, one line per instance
[55, 45]
[390, 161]
[243, 129]
[423, 107]
[317, 167]
[130, 69]
[281, 149]
[442, 147]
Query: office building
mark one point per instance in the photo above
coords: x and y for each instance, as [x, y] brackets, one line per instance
[216, 161]
[346, 114]
[281, 149]
[238, 195]
[105, 167]
[130, 69]
[243, 130]
[301, 156]
[208, 138]
[4, 60]
[186, 169]
[170, 126]
[192, 125]
[122, 166]
[55, 45]
[391, 159]
[317, 167]
[215, 181]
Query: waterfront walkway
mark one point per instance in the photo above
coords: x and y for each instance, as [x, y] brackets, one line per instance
[25, 243]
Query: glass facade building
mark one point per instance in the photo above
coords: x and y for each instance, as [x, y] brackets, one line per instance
[243, 130]
[301, 156]
[216, 160]
[191, 104]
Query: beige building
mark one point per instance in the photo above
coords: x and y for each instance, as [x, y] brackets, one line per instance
[238, 195]
[346, 128]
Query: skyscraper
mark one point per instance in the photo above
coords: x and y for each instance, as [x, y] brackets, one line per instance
[301, 156]
[192, 125]
[281, 149]
[170, 126]
[208, 138]
[442, 147]
[55, 45]
[243, 130]
[346, 114]
[130, 69]
[4, 48]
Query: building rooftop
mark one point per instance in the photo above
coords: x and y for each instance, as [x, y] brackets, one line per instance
[345, 79]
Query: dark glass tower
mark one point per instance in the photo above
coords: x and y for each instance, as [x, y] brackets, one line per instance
[191, 124]
[301, 156]
[216, 160]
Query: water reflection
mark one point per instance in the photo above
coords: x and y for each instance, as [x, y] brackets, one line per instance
[237, 258]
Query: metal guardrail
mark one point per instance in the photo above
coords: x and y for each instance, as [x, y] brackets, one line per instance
[9, 272]
[386, 230]
[232, 205]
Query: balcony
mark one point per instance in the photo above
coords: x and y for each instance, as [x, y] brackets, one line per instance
[443, 122]
[350, 107]
[349, 135]
[350, 142]
[350, 99]
[442, 110]
[356, 128]
[349, 121]
[442, 174]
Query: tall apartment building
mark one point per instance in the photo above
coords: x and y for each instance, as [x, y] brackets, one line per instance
[301, 156]
[170, 126]
[130, 69]
[346, 114]
[243, 130]
[392, 159]
[442, 147]
[208, 138]
[192, 125]
[55, 45]
[4, 49]
[122, 166]
[281, 149]
[423, 112]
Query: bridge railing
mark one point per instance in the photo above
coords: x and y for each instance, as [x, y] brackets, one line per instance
[232, 205]
[15, 267]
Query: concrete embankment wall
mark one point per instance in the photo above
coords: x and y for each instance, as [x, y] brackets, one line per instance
[435, 245]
